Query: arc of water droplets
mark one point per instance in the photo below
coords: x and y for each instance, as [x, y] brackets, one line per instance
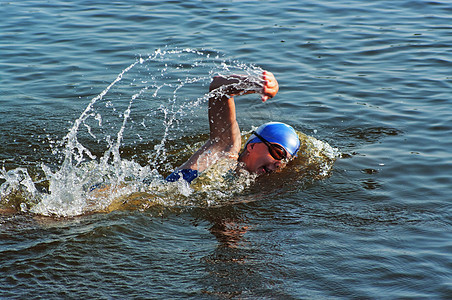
[74, 150]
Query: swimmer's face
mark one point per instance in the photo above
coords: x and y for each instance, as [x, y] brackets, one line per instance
[259, 161]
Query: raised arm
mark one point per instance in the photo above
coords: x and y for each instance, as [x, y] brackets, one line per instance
[225, 139]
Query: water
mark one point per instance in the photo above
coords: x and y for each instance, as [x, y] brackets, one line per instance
[371, 79]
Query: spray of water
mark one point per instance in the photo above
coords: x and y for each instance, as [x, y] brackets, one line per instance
[107, 160]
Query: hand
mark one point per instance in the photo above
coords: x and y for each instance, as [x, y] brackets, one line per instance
[234, 85]
[271, 86]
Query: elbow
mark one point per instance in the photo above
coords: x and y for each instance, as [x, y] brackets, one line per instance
[215, 83]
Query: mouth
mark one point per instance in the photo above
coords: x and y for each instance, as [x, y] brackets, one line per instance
[263, 170]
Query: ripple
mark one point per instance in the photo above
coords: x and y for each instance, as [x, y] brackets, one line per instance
[372, 78]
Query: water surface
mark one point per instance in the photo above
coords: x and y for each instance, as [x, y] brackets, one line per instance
[371, 79]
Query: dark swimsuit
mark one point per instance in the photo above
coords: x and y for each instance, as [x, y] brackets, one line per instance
[187, 174]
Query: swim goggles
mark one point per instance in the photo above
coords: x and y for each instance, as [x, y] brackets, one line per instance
[276, 151]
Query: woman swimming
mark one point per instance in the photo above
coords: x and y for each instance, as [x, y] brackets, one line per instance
[267, 150]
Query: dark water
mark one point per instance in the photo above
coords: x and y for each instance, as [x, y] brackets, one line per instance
[372, 79]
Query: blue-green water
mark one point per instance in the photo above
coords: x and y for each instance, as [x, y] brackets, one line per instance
[372, 79]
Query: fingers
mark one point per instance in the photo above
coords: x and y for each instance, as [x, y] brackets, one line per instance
[269, 79]
[270, 88]
[265, 77]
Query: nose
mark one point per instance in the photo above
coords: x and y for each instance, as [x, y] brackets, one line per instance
[277, 164]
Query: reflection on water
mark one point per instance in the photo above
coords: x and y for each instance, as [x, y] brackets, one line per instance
[229, 267]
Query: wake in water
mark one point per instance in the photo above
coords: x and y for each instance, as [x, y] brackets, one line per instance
[107, 163]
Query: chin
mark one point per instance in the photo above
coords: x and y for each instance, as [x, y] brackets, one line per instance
[255, 171]
[260, 171]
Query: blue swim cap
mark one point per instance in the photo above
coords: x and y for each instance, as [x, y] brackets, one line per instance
[280, 133]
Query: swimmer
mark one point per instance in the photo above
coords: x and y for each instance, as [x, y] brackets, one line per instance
[267, 150]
